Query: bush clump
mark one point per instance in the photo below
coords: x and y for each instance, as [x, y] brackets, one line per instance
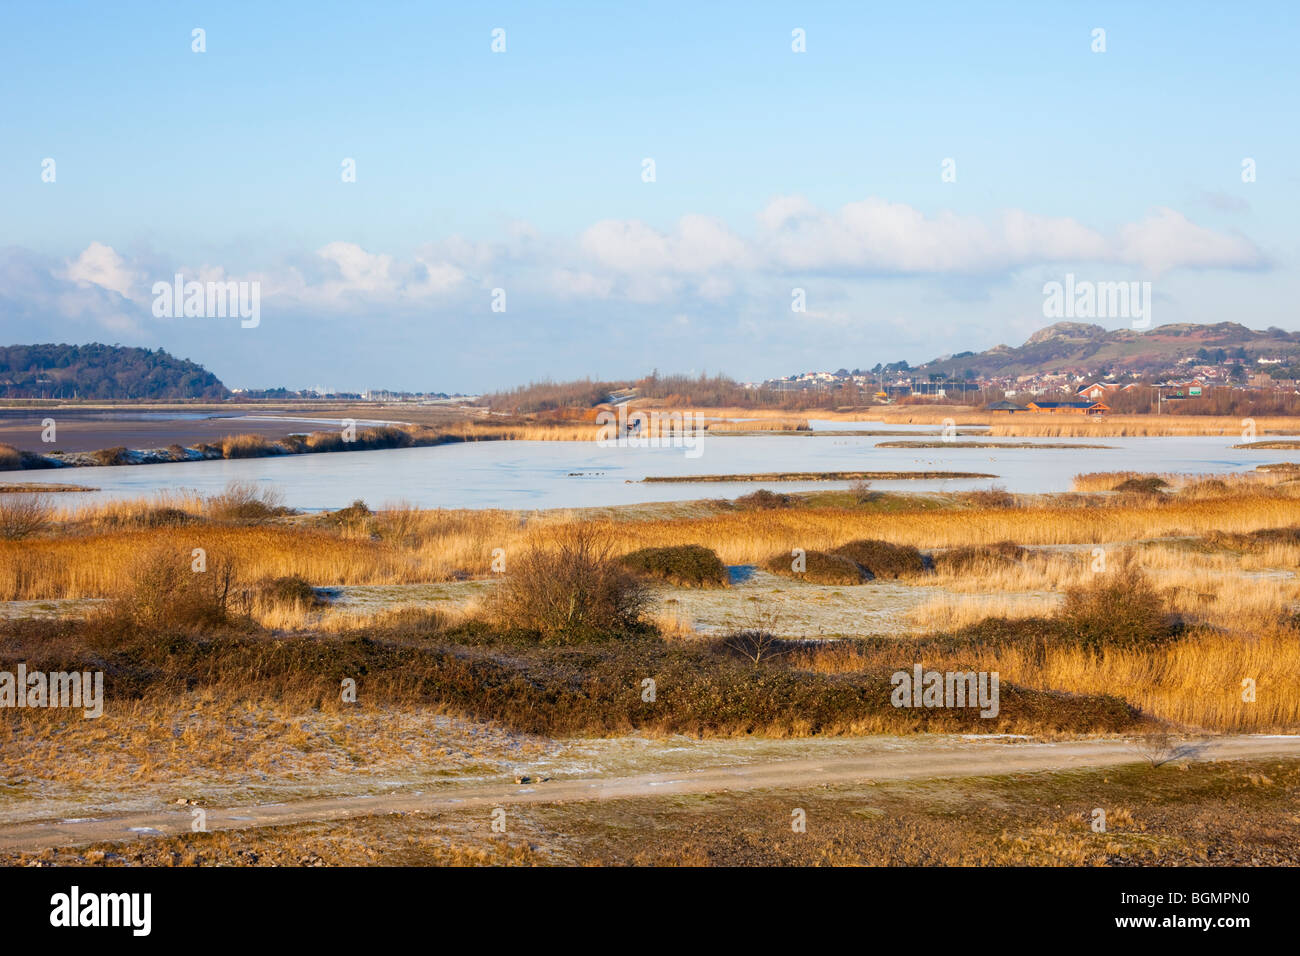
[166, 589]
[686, 565]
[162, 516]
[1121, 609]
[23, 515]
[571, 592]
[818, 567]
[289, 590]
[1146, 485]
[764, 500]
[246, 502]
[356, 517]
[995, 497]
[880, 559]
[1255, 540]
[111, 456]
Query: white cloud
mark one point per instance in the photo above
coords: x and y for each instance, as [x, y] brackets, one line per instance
[100, 265]
[876, 237]
[699, 259]
[1167, 240]
[358, 270]
[580, 284]
[700, 244]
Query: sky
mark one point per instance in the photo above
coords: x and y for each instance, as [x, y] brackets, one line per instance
[748, 188]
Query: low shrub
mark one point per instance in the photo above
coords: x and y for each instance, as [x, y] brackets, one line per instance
[817, 567]
[23, 514]
[164, 590]
[111, 456]
[289, 590]
[880, 559]
[571, 592]
[355, 517]
[686, 565]
[147, 517]
[764, 500]
[1255, 540]
[1146, 485]
[995, 497]
[245, 501]
[1120, 609]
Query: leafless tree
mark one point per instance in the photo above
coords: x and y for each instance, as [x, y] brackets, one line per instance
[23, 515]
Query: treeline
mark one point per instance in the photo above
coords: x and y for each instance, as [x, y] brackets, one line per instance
[550, 396]
[1235, 402]
[700, 391]
[98, 371]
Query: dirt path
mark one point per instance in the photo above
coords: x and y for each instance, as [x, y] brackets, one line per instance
[976, 758]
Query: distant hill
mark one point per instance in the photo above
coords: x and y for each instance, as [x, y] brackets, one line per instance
[1083, 348]
[102, 372]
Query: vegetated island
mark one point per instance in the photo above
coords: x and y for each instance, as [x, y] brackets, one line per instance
[246, 445]
[39, 487]
[983, 444]
[820, 476]
[1281, 444]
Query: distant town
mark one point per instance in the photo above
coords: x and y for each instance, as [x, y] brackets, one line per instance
[1192, 378]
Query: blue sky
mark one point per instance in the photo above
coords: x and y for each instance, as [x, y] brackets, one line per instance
[522, 171]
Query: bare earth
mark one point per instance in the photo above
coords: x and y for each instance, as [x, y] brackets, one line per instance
[972, 757]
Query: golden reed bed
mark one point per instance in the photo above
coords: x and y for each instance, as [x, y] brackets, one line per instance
[416, 545]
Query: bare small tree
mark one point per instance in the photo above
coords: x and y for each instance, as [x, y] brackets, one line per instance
[861, 491]
[756, 640]
[1156, 749]
[23, 514]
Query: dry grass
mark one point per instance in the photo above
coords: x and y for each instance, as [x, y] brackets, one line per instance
[1116, 426]
[761, 425]
[224, 739]
[1200, 486]
[247, 446]
[953, 613]
[1221, 589]
[401, 545]
[1195, 682]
